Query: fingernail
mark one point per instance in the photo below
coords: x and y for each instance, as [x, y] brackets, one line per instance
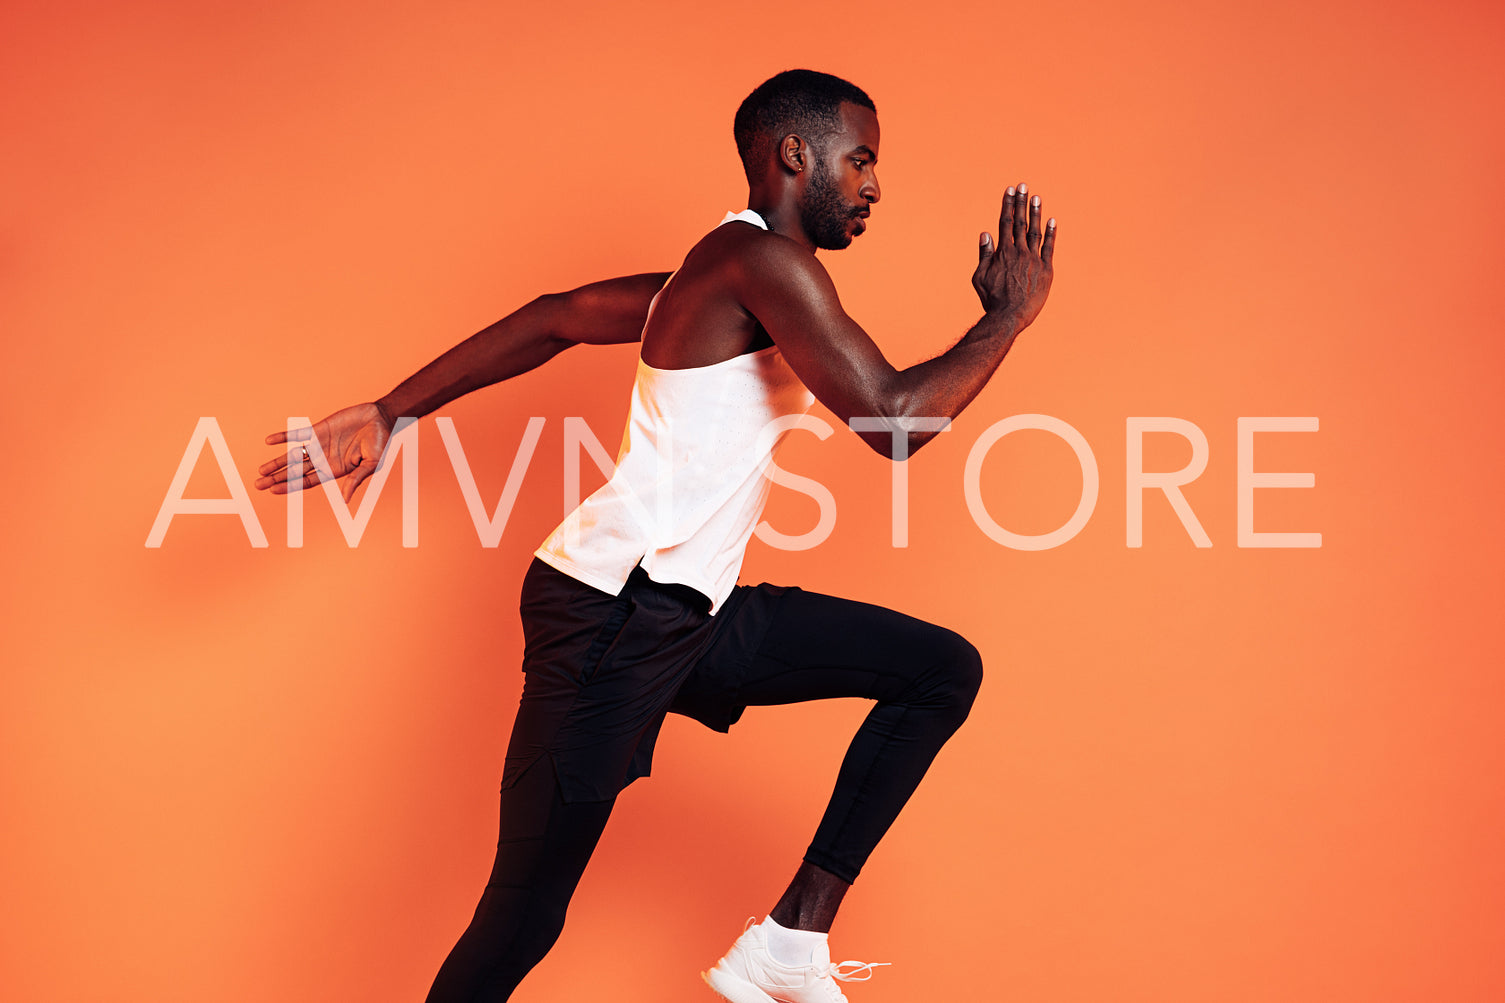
[1034, 200]
[1051, 223]
[1011, 191]
[1023, 188]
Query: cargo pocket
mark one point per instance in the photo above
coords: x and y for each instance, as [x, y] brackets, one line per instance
[605, 637]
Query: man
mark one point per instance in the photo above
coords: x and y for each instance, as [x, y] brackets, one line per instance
[632, 610]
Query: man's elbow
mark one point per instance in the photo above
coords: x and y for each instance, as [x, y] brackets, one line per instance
[551, 318]
[897, 438]
[883, 445]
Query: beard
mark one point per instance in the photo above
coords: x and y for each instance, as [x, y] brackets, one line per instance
[824, 214]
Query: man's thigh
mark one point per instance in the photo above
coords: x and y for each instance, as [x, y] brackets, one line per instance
[785, 645]
[599, 674]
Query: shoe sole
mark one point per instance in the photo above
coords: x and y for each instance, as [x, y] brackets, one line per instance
[735, 988]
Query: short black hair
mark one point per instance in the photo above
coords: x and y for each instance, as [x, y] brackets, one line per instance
[804, 102]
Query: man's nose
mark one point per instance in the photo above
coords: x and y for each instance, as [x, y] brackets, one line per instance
[871, 191]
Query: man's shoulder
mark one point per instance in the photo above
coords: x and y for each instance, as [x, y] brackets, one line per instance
[746, 253]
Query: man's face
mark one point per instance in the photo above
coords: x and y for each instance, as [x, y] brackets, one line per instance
[843, 181]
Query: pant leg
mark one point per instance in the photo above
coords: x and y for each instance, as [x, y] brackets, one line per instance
[545, 838]
[599, 674]
[544, 846]
[789, 645]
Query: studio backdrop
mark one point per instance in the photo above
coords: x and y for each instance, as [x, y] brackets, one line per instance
[1224, 526]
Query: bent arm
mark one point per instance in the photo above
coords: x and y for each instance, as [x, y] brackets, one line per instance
[794, 299]
[602, 313]
[846, 371]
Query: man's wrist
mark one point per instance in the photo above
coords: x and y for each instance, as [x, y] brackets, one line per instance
[1004, 323]
[383, 408]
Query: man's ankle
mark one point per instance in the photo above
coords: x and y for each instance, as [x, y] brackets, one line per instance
[790, 946]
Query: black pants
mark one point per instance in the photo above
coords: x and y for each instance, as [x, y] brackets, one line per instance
[600, 673]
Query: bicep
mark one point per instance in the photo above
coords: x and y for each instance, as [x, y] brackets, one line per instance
[609, 312]
[796, 303]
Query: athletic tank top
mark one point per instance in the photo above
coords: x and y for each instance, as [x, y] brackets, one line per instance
[690, 484]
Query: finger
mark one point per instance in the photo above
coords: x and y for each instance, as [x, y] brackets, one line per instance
[278, 472]
[1048, 248]
[1006, 215]
[984, 246]
[1021, 216]
[272, 466]
[358, 474]
[307, 467]
[308, 480]
[296, 435]
[277, 463]
[1032, 238]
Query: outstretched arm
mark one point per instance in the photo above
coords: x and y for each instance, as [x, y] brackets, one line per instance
[602, 313]
[352, 439]
[795, 300]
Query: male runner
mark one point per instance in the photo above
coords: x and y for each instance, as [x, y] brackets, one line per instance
[631, 607]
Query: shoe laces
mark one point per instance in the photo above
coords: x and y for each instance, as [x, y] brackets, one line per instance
[855, 971]
[848, 971]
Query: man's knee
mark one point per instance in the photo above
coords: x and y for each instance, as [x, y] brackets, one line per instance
[967, 669]
[956, 674]
[539, 934]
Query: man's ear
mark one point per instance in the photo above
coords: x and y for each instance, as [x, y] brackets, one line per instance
[793, 153]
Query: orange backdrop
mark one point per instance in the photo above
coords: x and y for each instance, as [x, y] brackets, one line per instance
[240, 775]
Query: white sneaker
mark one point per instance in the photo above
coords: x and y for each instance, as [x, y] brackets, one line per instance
[749, 974]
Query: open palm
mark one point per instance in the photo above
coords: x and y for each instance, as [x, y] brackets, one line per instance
[349, 443]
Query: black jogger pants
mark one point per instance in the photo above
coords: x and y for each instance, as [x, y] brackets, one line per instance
[600, 673]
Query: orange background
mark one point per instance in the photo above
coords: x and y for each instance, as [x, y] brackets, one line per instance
[1223, 774]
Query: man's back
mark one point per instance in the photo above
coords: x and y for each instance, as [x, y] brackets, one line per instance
[707, 413]
[699, 318]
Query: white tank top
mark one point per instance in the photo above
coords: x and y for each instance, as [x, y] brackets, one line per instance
[690, 481]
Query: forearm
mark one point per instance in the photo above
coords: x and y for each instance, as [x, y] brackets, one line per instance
[942, 387]
[519, 342]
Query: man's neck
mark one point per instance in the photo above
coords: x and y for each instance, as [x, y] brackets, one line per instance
[782, 217]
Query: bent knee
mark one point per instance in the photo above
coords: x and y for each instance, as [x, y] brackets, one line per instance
[967, 669]
[956, 674]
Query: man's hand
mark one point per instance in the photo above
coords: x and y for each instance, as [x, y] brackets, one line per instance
[351, 442]
[1015, 277]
